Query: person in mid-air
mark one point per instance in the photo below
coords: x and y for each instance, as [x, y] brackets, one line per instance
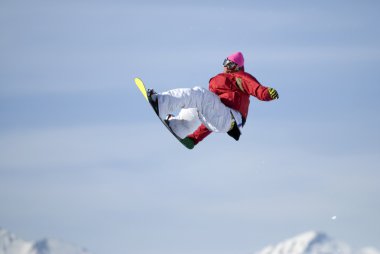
[223, 108]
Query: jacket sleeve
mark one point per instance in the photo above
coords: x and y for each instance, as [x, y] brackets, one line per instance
[200, 134]
[253, 87]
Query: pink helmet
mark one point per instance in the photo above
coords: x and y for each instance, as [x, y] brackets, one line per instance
[237, 58]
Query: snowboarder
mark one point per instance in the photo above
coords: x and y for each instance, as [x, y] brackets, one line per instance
[223, 108]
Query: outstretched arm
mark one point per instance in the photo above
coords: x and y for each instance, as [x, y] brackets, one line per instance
[250, 85]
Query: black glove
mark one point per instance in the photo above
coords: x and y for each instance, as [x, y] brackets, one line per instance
[273, 93]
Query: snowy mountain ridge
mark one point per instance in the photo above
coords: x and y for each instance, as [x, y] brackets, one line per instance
[313, 242]
[10, 244]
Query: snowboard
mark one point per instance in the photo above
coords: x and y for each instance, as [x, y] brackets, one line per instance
[143, 90]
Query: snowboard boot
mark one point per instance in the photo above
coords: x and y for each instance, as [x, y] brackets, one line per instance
[153, 100]
[188, 142]
[234, 131]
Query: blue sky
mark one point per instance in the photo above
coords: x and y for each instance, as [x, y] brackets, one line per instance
[84, 159]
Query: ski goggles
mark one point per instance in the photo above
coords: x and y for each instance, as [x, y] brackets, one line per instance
[229, 64]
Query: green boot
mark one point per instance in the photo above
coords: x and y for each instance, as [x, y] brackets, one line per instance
[188, 142]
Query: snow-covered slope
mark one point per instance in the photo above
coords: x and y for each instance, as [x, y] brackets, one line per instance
[313, 243]
[10, 244]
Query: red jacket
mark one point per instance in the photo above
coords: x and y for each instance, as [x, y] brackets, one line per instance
[233, 90]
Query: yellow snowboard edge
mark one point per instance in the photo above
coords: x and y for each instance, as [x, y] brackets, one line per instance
[141, 87]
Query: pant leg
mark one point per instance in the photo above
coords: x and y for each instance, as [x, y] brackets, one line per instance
[172, 101]
[185, 123]
[212, 112]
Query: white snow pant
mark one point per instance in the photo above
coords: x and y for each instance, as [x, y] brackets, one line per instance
[186, 122]
[195, 105]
